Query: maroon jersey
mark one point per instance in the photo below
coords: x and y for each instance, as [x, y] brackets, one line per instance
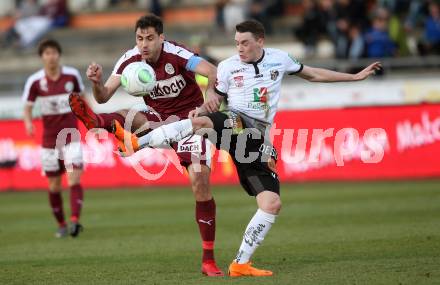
[53, 97]
[176, 91]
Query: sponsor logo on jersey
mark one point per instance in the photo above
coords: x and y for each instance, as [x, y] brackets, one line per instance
[269, 65]
[239, 81]
[68, 86]
[260, 99]
[168, 88]
[243, 69]
[191, 144]
[55, 104]
[169, 68]
[274, 74]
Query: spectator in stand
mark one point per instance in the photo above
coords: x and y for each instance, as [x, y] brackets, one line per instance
[312, 27]
[28, 30]
[377, 39]
[346, 26]
[220, 14]
[25, 9]
[356, 42]
[431, 42]
[265, 11]
[234, 13]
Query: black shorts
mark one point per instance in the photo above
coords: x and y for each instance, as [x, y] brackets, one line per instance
[254, 158]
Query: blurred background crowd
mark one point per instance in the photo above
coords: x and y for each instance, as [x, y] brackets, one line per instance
[338, 34]
[354, 28]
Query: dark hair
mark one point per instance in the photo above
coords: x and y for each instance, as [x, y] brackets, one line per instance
[252, 26]
[150, 20]
[49, 43]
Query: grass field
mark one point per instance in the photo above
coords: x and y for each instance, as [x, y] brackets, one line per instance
[332, 233]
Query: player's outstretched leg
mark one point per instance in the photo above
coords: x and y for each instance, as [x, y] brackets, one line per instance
[90, 119]
[127, 142]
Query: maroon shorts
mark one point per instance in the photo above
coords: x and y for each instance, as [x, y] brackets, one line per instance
[194, 149]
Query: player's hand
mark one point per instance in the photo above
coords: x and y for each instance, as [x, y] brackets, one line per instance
[94, 73]
[30, 129]
[212, 103]
[369, 70]
[195, 113]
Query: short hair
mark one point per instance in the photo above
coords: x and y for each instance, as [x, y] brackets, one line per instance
[150, 20]
[252, 26]
[48, 43]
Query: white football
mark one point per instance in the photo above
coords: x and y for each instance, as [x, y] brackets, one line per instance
[138, 78]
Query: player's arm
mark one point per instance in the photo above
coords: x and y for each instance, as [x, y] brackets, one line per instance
[102, 92]
[27, 118]
[213, 100]
[30, 94]
[205, 68]
[314, 74]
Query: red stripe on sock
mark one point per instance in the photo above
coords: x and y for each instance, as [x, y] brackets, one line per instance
[208, 245]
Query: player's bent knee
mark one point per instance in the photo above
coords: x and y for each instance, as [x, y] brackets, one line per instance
[272, 206]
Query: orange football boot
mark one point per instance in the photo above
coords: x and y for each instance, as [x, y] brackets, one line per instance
[127, 142]
[246, 269]
[83, 111]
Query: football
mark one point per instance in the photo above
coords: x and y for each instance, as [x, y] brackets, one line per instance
[138, 78]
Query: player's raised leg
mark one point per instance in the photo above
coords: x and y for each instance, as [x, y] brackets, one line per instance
[160, 137]
[85, 114]
[205, 213]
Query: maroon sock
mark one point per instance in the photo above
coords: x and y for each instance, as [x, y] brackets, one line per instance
[56, 202]
[205, 217]
[76, 200]
[106, 119]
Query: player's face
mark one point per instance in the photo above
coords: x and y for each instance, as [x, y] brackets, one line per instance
[149, 43]
[50, 57]
[249, 48]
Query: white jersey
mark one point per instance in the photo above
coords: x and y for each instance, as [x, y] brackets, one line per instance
[254, 88]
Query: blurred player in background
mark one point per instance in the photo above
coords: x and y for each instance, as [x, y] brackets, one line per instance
[52, 85]
[251, 83]
[175, 95]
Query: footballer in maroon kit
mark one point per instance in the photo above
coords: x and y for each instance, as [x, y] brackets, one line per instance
[176, 94]
[52, 85]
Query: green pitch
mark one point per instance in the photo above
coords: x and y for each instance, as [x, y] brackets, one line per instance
[329, 233]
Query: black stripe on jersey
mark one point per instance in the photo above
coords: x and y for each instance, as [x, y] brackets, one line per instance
[255, 64]
[220, 93]
[299, 70]
[257, 71]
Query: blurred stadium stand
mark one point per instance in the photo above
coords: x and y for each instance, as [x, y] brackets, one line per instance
[101, 30]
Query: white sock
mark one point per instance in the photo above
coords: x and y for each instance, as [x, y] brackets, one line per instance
[256, 230]
[166, 134]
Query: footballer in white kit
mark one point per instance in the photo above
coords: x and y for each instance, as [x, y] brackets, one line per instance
[254, 88]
